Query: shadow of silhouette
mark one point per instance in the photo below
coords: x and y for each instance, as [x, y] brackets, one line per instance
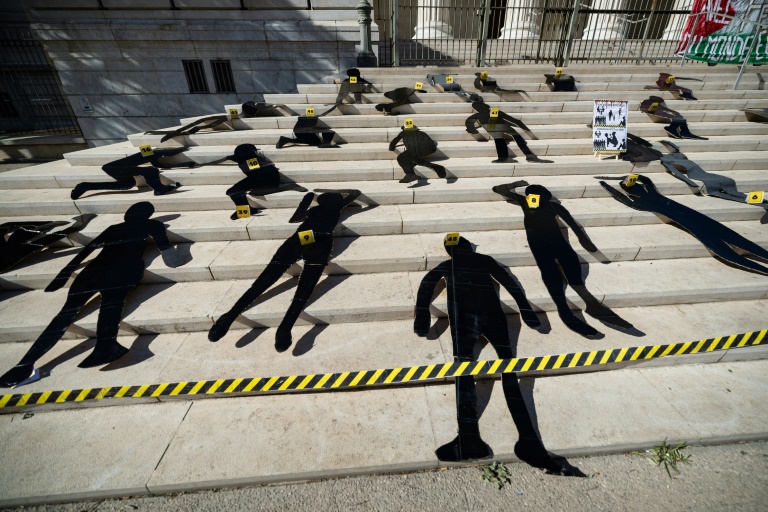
[249, 337]
[137, 353]
[307, 341]
[77, 350]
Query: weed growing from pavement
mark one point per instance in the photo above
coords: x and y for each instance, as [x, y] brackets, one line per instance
[496, 473]
[669, 456]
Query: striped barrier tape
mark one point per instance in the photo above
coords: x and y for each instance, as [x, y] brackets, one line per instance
[364, 378]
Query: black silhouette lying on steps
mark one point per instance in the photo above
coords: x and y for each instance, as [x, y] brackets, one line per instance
[418, 145]
[19, 240]
[640, 150]
[261, 178]
[720, 240]
[658, 111]
[486, 83]
[667, 82]
[501, 127]
[474, 311]
[557, 261]
[125, 170]
[715, 185]
[560, 82]
[313, 243]
[444, 83]
[357, 88]
[400, 96]
[310, 130]
[114, 273]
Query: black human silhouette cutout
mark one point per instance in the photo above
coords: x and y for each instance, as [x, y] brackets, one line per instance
[667, 82]
[114, 273]
[501, 128]
[441, 82]
[400, 96]
[657, 110]
[563, 83]
[125, 170]
[715, 185]
[640, 150]
[357, 89]
[310, 130]
[321, 220]
[260, 180]
[19, 240]
[719, 239]
[756, 115]
[488, 84]
[557, 261]
[418, 145]
[474, 311]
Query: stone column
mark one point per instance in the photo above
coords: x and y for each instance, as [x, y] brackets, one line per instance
[605, 25]
[432, 20]
[520, 20]
[675, 24]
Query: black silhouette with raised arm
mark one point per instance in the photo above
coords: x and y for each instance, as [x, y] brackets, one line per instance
[357, 89]
[418, 146]
[19, 240]
[400, 96]
[474, 311]
[125, 170]
[501, 128]
[113, 273]
[715, 185]
[321, 220]
[557, 261]
[720, 240]
[312, 131]
[667, 82]
[656, 108]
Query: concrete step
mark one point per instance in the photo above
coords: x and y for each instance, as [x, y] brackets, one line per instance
[405, 253]
[193, 306]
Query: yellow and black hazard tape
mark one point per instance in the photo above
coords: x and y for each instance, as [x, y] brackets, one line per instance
[413, 374]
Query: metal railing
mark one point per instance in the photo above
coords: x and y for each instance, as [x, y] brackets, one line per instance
[29, 88]
[494, 32]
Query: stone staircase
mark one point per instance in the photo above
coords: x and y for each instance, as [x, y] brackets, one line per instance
[360, 316]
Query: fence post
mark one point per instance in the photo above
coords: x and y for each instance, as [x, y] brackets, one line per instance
[572, 31]
[690, 41]
[646, 31]
[365, 57]
[483, 43]
[395, 31]
[749, 53]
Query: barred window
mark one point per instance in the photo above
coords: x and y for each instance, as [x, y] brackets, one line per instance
[6, 107]
[195, 73]
[222, 76]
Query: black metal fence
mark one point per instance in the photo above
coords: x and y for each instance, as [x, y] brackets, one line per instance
[31, 101]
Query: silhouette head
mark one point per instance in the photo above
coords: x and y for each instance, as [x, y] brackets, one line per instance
[244, 152]
[480, 106]
[139, 211]
[353, 72]
[544, 194]
[251, 109]
[330, 199]
[463, 248]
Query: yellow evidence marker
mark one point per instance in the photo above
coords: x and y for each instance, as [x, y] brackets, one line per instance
[253, 163]
[653, 107]
[233, 113]
[631, 180]
[146, 150]
[310, 111]
[494, 112]
[306, 237]
[755, 197]
[484, 75]
[558, 72]
[449, 79]
[419, 86]
[353, 79]
[243, 211]
[408, 124]
[670, 80]
[532, 200]
[452, 239]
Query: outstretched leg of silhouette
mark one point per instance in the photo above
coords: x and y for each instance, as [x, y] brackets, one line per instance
[554, 281]
[502, 151]
[739, 241]
[107, 348]
[727, 253]
[439, 169]
[310, 276]
[125, 180]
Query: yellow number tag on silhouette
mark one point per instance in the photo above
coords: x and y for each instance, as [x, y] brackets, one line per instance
[494, 112]
[243, 211]
[532, 200]
[233, 113]
[418, 86]
[452, 239]
[631, 180]
[146, 150]
[310, 111]
[306, 237]
[253, 163]
[755, 197]
[449, 79]
[408, 124]
[653, 107]
[484, 75]
[353, 79]
[558, 72]
[670, 79]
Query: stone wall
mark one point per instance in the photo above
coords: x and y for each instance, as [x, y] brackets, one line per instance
[123, 58]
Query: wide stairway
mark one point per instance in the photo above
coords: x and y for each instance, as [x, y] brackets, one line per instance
[360, 316]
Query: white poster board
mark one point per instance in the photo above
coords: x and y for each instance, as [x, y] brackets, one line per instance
[609, 127]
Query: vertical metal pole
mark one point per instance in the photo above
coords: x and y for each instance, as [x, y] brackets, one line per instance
[365, 57]
[395, 48]
[483, 39]
[690, 40]
[623, 38]
[749, 54]
[647, 30]
[572, 31]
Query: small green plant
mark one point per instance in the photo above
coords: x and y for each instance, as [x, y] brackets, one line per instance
[669, 456]
[496, 473]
